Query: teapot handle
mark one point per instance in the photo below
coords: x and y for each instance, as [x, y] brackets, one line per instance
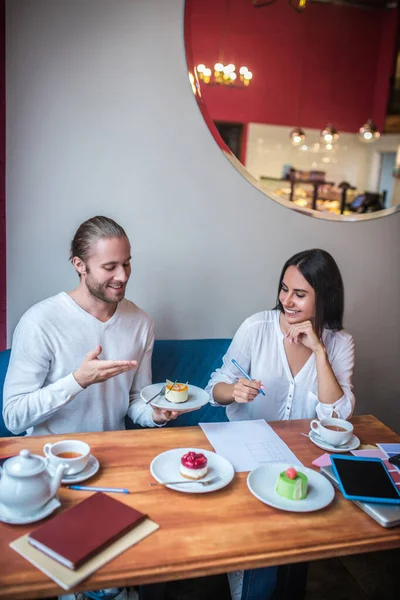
[46, 449]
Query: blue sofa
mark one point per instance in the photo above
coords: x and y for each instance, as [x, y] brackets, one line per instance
[4, 360]
[184, 360]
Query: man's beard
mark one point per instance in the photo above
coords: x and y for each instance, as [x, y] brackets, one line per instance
[99, 291]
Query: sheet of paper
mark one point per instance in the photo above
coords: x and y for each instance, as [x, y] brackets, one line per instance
[391, 450]
[248, 444]
[322, 461]
[369, 453]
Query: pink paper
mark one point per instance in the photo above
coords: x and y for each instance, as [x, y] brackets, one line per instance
[395, 476]
[391, 468]
[370, 453]
[322, 461]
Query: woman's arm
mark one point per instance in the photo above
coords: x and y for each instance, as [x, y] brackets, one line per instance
[329, 389]
[226, 384]
[334, 378]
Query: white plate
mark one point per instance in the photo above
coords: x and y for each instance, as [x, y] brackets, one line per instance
[45, 511]
[197, 398]
[262, 483]
[91, 469]
[352, 444]
[166, 467]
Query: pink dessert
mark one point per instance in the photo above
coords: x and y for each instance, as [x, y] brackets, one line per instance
[193, 465]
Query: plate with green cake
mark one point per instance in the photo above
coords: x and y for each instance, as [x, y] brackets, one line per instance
[296, 489]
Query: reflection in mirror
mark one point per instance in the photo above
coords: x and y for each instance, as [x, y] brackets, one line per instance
[299, 92]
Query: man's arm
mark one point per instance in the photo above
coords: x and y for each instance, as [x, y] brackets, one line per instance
[26, 402]
[138, 411]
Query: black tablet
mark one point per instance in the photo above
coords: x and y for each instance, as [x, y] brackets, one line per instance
[365, 479]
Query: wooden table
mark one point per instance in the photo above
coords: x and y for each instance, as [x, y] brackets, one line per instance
[199, 534]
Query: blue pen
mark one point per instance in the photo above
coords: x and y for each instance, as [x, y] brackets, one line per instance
[88, 488]
[244, 373]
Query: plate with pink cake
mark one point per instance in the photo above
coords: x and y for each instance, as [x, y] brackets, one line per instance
[188, 467]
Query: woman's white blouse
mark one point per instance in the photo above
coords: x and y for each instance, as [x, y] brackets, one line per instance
[258, 348]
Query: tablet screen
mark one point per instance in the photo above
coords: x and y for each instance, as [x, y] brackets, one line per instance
[367, 478]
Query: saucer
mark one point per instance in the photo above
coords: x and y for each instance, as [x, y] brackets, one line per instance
[352, 444]
[91, 469]
[45, 511]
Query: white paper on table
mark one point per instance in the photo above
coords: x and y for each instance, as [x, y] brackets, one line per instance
[248, 444]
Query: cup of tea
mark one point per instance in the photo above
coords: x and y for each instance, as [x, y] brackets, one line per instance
[333, 431]
[73, 453]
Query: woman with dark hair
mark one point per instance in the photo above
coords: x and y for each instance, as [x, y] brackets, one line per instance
[298, 354]
[301, 358]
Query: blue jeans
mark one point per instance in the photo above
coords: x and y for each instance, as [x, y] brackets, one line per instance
[287, 582]
[259, 584]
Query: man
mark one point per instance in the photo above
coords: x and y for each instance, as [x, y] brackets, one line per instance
[78, 363]
[80, 359]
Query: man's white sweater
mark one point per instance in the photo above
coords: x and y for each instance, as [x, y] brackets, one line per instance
[41, 395]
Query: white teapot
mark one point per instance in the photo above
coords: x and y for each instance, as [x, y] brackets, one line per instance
[26, 485]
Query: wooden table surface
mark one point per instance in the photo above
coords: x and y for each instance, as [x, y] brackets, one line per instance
[199, 534]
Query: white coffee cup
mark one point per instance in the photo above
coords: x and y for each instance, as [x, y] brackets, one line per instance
[333, 431]
[73, 453]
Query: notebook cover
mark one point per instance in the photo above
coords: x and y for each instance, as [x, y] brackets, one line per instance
[67, 578]
[75, 535]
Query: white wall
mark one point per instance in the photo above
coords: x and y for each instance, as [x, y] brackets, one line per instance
[97, 125]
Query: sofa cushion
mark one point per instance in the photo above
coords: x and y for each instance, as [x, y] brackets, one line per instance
[184, 360]
[4, 360]
[193, 361]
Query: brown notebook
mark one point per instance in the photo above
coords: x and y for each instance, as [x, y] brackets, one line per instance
[77, 534]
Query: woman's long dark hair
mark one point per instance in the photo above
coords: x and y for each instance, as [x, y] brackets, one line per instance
[319, 268]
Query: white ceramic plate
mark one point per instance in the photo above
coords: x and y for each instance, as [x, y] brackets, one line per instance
[166, 467]
[352, 444]
[197, 398]
[91, 469]
[45, 511]
[262, 483]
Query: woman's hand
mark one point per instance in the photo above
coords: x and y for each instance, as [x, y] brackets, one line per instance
[305, 334]
[245, 390]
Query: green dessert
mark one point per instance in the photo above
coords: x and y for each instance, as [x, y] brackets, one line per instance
[292, 484]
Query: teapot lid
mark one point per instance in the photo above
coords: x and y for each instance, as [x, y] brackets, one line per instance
[24, 464]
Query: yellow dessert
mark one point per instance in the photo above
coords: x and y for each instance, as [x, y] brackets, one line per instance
[176, 393]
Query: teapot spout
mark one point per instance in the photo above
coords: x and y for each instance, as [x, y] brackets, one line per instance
[56, 479]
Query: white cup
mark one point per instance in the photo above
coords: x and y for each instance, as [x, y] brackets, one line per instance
[333, 431]
[62, 452]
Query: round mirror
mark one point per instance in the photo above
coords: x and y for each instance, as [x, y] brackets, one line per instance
[303, 97]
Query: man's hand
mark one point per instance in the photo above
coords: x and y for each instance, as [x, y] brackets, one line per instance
[305, 334]
[93, 370]
[161, 415]
[245, 390]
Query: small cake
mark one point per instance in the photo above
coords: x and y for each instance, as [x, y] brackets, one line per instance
[292, 484]
[193, 465]
[176, 393]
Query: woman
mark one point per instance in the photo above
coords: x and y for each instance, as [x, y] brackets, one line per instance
[301, 358]
[298, 354]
